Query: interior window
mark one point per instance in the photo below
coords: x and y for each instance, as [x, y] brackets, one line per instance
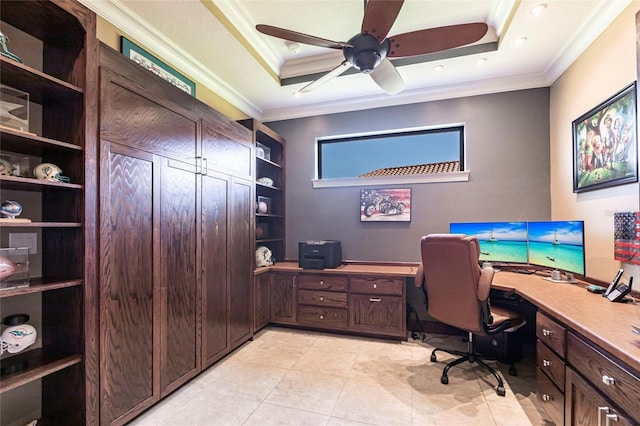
[350, 156]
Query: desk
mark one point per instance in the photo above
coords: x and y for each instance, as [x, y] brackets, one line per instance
[599, 345]
[364, 299]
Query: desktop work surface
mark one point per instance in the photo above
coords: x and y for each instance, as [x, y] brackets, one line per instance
[588, 358]
[605, 323]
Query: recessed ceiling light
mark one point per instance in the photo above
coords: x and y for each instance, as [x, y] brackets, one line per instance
[481, 61]
[438, 68]
[520, 41]
[538, 9]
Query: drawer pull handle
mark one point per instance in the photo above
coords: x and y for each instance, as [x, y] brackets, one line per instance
[546, 363]
[601, 411]
[375, 299]
[546, 397]
[321, 316]
[321, 297]
[321, 282]
[608, 380]
[546, 332]
[375, 286]
[611, 418]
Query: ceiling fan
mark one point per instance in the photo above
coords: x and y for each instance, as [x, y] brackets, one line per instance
[370, 50]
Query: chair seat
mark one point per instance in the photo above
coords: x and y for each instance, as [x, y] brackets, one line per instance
[501, 315]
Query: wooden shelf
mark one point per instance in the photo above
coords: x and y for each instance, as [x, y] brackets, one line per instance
[39, 285]
[277, 216]
[30, 144]
[269, 162]
[30, 184]
[42, 88]
[273, 188]
[38, 367]
[41, 225]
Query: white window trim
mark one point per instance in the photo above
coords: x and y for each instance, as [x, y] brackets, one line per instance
[462, 176]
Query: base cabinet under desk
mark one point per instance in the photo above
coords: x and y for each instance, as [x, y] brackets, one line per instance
[580, 384]
[372, 305]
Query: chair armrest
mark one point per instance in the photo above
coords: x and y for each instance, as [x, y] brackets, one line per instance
[419, 281]
[484, 284]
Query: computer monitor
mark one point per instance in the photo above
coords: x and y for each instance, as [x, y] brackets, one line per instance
[557, 245]
[500, 242]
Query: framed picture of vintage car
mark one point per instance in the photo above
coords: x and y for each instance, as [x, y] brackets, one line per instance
[385, 205]
[605, 143]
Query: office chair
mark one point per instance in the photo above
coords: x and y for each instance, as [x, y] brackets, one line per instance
[458, 295]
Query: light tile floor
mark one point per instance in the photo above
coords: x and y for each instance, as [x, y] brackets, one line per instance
[291, 377]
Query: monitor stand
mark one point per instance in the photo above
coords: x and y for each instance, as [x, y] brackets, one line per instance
[556, 277]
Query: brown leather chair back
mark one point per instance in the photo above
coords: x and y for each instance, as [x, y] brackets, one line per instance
[455, 290]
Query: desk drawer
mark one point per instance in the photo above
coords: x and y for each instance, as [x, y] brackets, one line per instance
[551, 364]
[606, 374]
[551, 398]
[553, 334]
[322, 298]
[376, 285]
[316, 316]
[322, 282]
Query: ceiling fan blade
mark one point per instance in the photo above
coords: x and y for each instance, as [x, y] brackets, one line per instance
[325, 78]
[387, 77]
[379, 16]
[435, 39]
[300, 38]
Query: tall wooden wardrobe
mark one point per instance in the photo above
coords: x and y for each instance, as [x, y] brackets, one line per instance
[176, 203]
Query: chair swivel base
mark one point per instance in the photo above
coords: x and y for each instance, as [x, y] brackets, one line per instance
[464, 357]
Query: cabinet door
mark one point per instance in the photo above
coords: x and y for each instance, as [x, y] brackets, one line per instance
[283, 298]
[178, 281]
[241, 206]
[129, 298]
[262, 295]
[377, 314]
[215, 291]
[586, 406]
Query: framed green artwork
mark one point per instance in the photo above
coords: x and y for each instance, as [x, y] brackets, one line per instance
[156, 66]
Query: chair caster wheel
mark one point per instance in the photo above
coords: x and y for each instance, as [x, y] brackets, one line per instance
[513, 371]
[500, 391]
[433, 357]
[445, 380]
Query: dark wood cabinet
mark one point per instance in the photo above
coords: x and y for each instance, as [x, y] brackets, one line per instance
[586, 406]
[57, 41]
[178, 188]
[262, 303]
[283, 298]
[377, 305]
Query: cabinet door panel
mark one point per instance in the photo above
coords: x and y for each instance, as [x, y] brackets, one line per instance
[128, 297]
[227, 154]
[283, 298]
[376, 314]
[180, 351]
[262, 294]
[214, 268]
[241, 207]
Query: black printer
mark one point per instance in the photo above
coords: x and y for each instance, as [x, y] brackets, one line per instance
[319, 254]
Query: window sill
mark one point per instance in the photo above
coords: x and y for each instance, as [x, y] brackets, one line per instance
[392, 180]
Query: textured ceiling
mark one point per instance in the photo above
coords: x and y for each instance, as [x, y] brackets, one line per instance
[216, 43]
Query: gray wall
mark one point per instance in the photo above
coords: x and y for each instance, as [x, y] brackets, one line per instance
[507, 153]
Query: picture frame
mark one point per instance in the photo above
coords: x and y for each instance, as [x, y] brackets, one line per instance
[156, 66]
[605, 143]
[385, 205]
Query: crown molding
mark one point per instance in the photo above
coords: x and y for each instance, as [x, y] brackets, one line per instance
[601, 17]
[132, 25]
[429, 94]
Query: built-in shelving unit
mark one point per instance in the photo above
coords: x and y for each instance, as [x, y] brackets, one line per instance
[270, 162]
[57, 42]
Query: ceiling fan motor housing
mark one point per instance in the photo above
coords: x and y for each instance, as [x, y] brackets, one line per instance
[366, 53]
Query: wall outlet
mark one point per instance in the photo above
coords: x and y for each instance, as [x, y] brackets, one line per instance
[17, 240]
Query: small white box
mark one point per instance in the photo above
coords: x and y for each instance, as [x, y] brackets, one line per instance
[14, 108]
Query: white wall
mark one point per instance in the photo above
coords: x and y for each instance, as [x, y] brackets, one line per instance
[606, 67]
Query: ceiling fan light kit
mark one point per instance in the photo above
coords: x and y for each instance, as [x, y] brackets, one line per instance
[369, 51]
